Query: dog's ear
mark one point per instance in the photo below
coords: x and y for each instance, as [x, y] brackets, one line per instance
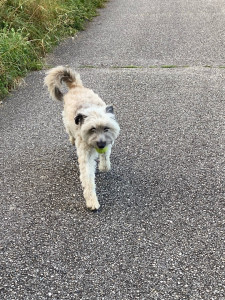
[79, 119]
[109, 109]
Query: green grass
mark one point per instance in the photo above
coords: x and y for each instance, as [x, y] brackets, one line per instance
[168, 66]
[87, 67]
[30, 28]
[131, 67]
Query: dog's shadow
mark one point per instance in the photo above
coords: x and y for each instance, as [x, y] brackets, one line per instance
[119, 187]
[56, 183]
[60, 189]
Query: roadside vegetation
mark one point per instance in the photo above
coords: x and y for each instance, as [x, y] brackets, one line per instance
[30, 28]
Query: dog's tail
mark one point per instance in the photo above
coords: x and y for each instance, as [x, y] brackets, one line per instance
[55, 78]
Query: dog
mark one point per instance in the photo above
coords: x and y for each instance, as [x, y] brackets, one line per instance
[90, 124]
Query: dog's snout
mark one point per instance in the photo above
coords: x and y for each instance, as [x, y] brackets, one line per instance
[101, 144]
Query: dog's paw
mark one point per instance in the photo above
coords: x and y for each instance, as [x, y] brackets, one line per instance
[104, 166]
[92, 204]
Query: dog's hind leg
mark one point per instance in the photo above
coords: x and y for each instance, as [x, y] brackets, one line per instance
[104, 160]
[67, 127]
[87, 165]
[72, 139]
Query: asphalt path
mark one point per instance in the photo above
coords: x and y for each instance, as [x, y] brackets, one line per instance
[160, 232]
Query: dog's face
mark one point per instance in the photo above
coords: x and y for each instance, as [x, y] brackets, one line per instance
[98, 127]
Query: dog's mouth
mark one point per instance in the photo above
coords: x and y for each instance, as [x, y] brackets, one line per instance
[101, 144]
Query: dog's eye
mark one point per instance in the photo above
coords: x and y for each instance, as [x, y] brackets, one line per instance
[93, 129]
[106, 129]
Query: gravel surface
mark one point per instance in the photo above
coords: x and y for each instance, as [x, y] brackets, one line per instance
[159, 233]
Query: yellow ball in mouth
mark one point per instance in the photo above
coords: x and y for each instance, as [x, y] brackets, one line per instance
[103, 150]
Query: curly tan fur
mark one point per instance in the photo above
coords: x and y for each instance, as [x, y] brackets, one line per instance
[90, 124]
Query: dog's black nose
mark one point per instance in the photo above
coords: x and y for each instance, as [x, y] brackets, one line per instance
[101, 144]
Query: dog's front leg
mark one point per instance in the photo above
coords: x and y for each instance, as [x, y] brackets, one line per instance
[87, 165]
[104, 160]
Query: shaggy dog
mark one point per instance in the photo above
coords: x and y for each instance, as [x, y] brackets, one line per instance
[90, 124]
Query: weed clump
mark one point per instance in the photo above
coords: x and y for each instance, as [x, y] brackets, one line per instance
[30, 28]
